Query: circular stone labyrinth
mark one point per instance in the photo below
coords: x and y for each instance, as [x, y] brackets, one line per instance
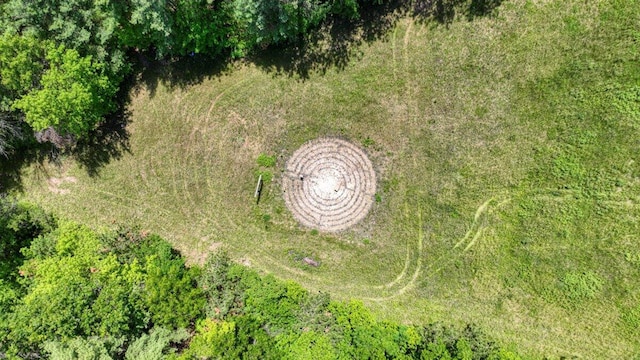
[329, 184]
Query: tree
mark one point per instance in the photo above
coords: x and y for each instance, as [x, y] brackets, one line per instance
[21, 66]
[273, 302]
[171, 294]
[75, 94]
[221, 281]
[10, 133]
[19, 223]
[60, 292]
[206, 27]
[279, 22]
[74, 289]
[155, 345]
[308, 345]
[146, 24]
[242, 338]
[361, 336]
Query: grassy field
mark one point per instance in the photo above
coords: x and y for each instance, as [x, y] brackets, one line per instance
[507, 156]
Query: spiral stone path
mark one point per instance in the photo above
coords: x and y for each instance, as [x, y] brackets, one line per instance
[329, 184]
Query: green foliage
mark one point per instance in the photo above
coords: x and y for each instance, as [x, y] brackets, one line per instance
[221, 281]
[362, 337]
[88, 295]
[74, 289]
[213, 339]
[61, 62]
[9, 295]
[313, 314]
[346, 8]
[308, 345]
[90, 27]
[21, 67]
[266, 160]
[60, 291]
[241, 339]
[205, 26]
[19, 224]
[129, 243]
[278, 22]
[578, 286]
[92, 348]
[504, 354]
[444, 342]
[148, 23]
[436, 351]
[171, 294]
[267, 175]
[273, 302]
[156, 344]
[76, 93]
[118, 307]
[10, 133]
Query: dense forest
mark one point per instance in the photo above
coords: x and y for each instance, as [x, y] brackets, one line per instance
[68, 292]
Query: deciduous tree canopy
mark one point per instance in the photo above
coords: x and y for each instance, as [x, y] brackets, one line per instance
[75, 93]
[124, 294]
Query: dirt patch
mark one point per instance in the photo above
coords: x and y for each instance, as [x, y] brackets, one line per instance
[199, 256]
[54, 184]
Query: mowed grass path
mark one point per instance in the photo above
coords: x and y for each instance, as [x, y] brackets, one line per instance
[508, 176]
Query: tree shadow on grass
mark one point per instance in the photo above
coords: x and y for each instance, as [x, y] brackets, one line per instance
[177, 73]
[110, 139]
[24, 155]
[443, 12]
[108, 142]
[336, 43]
[333, 46]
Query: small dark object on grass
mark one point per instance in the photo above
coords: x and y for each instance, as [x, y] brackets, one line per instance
[310, 261]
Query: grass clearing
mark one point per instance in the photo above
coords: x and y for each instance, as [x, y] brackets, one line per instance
[508, 171]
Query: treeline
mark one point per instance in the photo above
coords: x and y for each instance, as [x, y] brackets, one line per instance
[67, 292]
[63, 61]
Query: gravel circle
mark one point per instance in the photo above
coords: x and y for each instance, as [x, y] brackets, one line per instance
[329, 184]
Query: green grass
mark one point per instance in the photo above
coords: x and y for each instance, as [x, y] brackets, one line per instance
[507, 155]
